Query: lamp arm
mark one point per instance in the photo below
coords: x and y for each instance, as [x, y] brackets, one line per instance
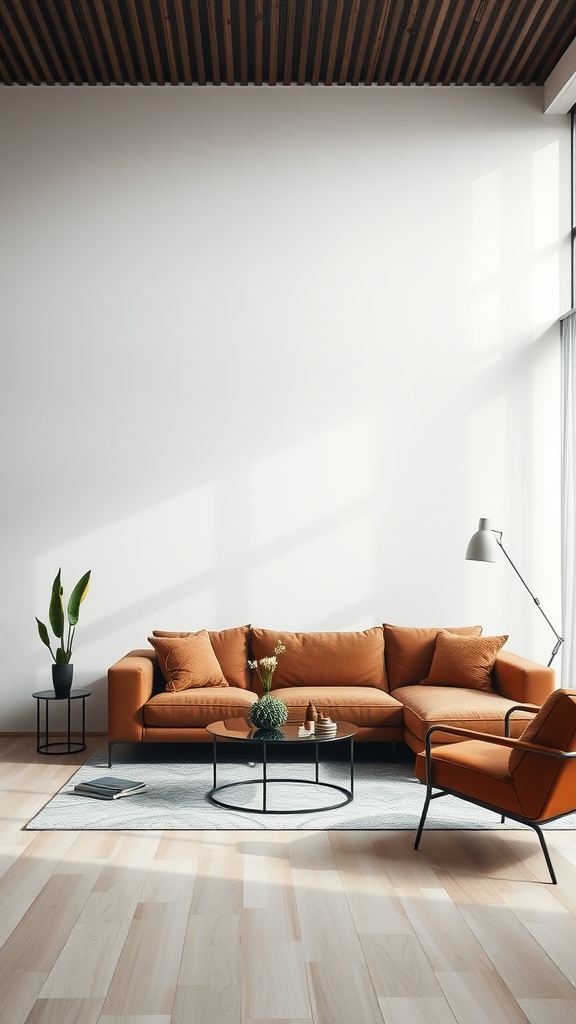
[559, 639]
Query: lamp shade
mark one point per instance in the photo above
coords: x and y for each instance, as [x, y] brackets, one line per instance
[483, 546]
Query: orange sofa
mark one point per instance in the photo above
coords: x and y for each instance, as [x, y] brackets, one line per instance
[392, 682]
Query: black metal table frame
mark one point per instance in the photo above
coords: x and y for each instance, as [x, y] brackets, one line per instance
[265, 781]
[72, 746]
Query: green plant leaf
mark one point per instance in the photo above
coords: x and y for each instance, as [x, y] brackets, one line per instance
[62, 658]
[43, 632]
[56, 612]
[76, 598]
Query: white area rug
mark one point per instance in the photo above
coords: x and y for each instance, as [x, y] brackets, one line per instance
[386, 796]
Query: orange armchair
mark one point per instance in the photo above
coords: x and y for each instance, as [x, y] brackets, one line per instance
[531, 780]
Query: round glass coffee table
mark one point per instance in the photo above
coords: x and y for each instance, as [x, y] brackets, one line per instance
[241, 731]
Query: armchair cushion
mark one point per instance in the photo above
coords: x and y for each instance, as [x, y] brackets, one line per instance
[464, 661]
[554, 726]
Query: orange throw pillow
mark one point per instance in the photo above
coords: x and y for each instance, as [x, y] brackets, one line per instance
[409, 651]
[464, 660]
[231, 649]
[188, 661]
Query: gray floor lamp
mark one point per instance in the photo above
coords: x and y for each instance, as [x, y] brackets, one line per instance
[482, 548]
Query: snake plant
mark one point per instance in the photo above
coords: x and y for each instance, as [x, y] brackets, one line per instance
[56, 617]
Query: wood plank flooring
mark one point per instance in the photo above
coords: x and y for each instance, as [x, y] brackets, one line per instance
[275, 927]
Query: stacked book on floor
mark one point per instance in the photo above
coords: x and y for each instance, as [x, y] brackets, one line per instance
[108, 788]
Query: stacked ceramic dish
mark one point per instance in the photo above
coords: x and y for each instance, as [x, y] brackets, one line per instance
[325, 728]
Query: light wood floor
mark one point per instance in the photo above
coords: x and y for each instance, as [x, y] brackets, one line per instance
[282, 927]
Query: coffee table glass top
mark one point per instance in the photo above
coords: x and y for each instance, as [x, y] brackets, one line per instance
[238, 729]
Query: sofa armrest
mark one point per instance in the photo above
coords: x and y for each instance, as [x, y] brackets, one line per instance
[130, 685]
[522, 680]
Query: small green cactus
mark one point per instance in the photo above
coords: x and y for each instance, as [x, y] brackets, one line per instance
[268, 713]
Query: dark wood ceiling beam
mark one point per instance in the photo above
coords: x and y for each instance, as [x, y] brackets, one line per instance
[363, 43]
[243, 35]
[439, 61]
[333, 48]
[315, 76]
[109, 43]
[273, 61]
[497, 49]
[151, 31]
[213, 36]
[438, 24]
[349, 42]
[406, 39]
[289, 44]
[541, 42]
[305, 43]
[417, 47]
[92, 36]
[6, 76]
[16, 72]
[183, 42]
[38, 16]
[475, 14]
[494, 20]
[57, 22]
[138, 41]
[258, 42]
[169, 41]
[27, 58]
[198, 49]
[79, 34]
[228, 44]
[521, 36]
[384, 56]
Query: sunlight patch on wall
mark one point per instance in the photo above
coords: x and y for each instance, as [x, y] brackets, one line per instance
[545, 196]
[486, 227]
[545, 237]
[311, 480]
[485, 327]
[316, 579]
[144, 555]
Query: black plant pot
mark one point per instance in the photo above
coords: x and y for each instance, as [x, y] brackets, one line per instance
[62, 679]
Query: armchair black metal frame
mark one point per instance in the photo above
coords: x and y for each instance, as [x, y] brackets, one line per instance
[516, 744]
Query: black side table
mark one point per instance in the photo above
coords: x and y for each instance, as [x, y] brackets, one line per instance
[67, 746]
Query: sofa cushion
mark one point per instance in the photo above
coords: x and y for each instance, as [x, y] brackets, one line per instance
[363, 706]
[471, 709]
[188, 661]
[197, 708]
[409, 651]
[464, 660]
[324, 659]
[231, 647]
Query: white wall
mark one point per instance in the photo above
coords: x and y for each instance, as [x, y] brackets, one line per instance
[268, 355]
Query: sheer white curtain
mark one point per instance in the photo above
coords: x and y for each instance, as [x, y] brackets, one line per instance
[568, 349]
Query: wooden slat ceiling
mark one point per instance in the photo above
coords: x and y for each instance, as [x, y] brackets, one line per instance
[283, 42]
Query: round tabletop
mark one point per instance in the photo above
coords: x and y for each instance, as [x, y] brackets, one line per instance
[51, 694]
[241, 729]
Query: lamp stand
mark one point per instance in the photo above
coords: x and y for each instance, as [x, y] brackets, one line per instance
[559, 639]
